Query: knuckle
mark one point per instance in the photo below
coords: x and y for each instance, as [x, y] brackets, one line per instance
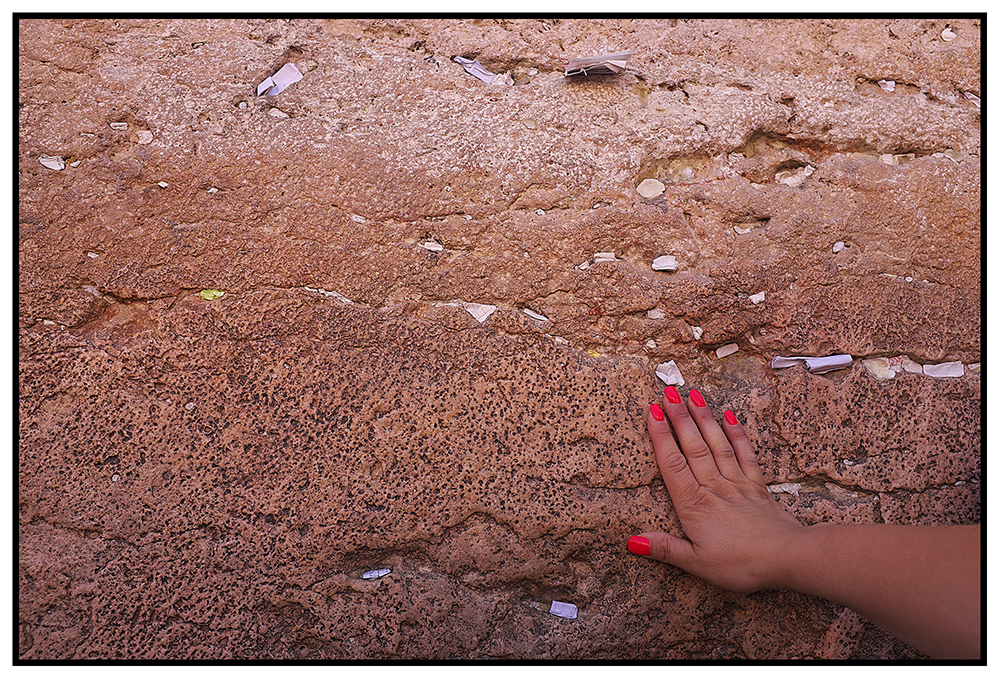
[660, 550]
[739, 438]
[725, 451]
[680, 414]
[675, 462]
[698, 450]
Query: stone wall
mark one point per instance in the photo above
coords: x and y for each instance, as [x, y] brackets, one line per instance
[209, 478]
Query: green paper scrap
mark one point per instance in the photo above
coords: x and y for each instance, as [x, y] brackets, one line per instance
[211, 294]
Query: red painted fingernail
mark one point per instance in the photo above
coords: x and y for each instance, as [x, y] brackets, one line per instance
[672, 395]
[730, 418]
[695, 396]
[657, 412]
[638, 545]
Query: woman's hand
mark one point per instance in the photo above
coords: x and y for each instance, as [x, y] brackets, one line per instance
[735, 531]
[920, 583]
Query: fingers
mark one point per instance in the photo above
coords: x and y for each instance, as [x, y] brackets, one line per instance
[709, 431]
[677, 475]
[743, 449]
[698, 453]
[707, 451]
[663, 547]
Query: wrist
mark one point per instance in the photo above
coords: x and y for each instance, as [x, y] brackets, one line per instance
[786, 557]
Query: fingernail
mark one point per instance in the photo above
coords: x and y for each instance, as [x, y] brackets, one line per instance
[638, 545]
[657, 412]
[695, 396]
[730, 418]
[672, 395]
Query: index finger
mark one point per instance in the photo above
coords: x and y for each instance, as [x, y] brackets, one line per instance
[681, 483]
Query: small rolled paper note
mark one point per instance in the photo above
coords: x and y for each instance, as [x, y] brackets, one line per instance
[814, 364]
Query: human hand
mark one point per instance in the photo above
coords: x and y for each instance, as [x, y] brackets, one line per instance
[735, 531]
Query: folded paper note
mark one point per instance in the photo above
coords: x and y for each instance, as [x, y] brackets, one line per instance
[665, 263]
[285, 76]
[375, 575]
[476, 69]
[727, 349]
[605, 64]
[814, 364]
[953, 369]
[52, 162]
[478, 311]
[563, 610]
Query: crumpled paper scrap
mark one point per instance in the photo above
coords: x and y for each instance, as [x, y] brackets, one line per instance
[670, 373]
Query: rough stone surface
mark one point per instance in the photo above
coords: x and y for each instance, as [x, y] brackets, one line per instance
[209, 478]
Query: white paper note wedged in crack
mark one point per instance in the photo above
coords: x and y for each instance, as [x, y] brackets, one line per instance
[52, 162]
[814, 364]
[478, 311]
[665, 263]
[476, 69]
[376, 574]
[952, 369]
[670, 373]
[275, 84]
[563, 610]
[605, 64]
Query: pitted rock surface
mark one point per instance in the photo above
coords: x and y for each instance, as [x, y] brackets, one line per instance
[209, 478]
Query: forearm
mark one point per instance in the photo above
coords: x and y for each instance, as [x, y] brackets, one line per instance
[920, 583]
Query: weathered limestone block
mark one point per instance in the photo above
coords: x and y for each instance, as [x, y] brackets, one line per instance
[209, 478]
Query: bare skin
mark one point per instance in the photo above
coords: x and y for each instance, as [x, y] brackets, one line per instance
[920, 583]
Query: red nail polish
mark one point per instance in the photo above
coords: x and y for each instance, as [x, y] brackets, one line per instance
[730, 418]
[657, 412]
[638, 545]
[695, 396]
[672, 395]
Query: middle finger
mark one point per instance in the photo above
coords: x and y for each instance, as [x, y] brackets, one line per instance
[714, 437]
[689, 438]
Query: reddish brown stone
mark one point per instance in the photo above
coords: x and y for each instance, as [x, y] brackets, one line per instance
[210, 478]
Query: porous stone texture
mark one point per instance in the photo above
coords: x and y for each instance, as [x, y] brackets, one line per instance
[209, 478]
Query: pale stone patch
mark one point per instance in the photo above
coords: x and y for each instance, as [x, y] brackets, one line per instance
[790, 488]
